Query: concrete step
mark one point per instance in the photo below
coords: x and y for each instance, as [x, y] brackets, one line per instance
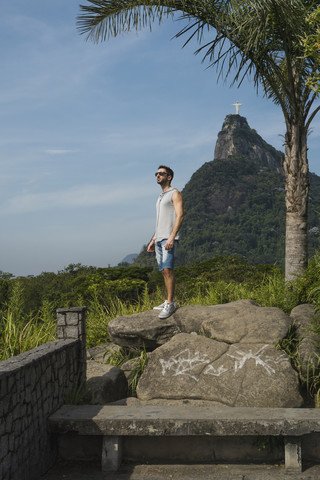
[64, 470]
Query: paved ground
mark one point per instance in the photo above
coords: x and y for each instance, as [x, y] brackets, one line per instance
[89, 471]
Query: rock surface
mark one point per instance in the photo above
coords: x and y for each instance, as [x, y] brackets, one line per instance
[246, 322]
[190, 318]
[142, 329]
[234, 322]
[105, 383]
[195, 367]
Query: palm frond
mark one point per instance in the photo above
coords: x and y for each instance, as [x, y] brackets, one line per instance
[238, 37]
[108, 18]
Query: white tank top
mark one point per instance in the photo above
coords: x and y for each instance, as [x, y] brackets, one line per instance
[166, 215]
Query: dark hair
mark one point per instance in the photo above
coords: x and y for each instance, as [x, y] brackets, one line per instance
[167, 169]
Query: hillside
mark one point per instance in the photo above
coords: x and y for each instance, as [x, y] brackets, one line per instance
[234, 205]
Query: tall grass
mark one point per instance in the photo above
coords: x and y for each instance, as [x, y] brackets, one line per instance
[273, 291]
[99, 315]
[17, 337]
[20, 333]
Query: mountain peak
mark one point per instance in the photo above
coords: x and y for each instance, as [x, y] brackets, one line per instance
[237, 139]
[234, 121]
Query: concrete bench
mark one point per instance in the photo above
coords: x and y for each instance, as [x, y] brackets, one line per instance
[115, 422]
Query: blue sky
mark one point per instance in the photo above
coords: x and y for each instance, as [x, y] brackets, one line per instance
[84, 126]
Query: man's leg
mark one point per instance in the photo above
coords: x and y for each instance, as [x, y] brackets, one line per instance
[171, 306]
[169, 282]
[165, 260]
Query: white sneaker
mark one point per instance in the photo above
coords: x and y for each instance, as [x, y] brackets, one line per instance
[161, 307]
[168, 309]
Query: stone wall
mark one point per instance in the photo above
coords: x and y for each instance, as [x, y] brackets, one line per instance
[32, 386]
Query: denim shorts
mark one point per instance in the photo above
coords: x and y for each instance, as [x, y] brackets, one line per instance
[165, 258]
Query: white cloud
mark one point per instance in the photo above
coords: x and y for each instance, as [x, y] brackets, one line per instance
[57, 151]
[83, 196]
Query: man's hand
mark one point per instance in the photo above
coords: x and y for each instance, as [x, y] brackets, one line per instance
[169, 243]
[151, 246]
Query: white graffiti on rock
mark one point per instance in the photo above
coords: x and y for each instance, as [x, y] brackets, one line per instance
[241, 358]
[185, 364]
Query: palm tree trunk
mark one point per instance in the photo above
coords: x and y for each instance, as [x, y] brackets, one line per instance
[295, 167]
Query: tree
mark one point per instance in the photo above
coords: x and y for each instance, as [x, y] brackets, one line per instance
[311, 43]
[6, 275]
[262, 39]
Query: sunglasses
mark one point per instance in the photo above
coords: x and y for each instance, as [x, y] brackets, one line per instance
[160, 173]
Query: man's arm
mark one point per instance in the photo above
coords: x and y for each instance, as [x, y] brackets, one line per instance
[178, 208]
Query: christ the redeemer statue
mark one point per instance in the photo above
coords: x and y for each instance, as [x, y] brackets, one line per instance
[237, 105]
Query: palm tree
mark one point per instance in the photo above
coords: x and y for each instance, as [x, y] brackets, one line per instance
[262, 39]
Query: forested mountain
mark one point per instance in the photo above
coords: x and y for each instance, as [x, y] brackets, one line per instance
[234, 205]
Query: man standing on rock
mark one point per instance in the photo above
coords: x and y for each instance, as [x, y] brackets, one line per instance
[169, 220]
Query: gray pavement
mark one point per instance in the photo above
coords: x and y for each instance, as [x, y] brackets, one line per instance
[91, 471]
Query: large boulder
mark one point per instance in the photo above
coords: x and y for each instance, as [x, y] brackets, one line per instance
[219, 354]
[198, 368]
[246, 322]
[234, 322]
[105, 383]
[142, 329]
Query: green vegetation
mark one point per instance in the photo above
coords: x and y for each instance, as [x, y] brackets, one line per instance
[111, 292]
[28, 304]
[20, 332]
[311, 44]
[79, 394]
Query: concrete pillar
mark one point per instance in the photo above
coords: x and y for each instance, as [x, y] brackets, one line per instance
[111, 453]
[71, 324]
[293, 459]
